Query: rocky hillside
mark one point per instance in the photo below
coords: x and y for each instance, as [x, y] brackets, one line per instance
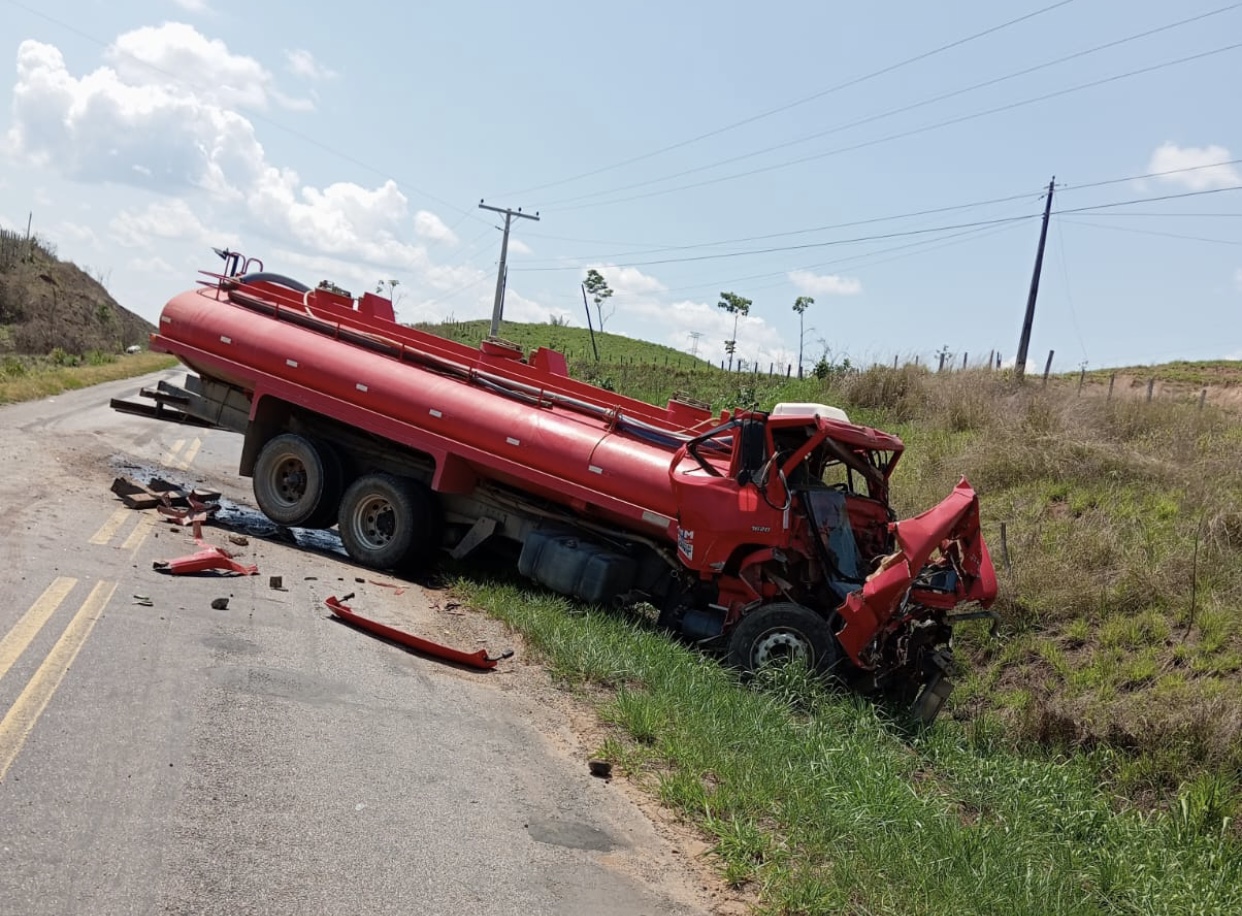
[47, 303]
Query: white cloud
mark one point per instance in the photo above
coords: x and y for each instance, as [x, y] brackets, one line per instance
[78, 233]
[170, 219]
[301, 62]
[517, 246]
[152, 265]
[627, 281]
[1207, 162]
[194, 6]
[429, 226]
[813, 284]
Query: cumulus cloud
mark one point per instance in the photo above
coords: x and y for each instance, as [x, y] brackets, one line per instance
[301, 62]
[517, 246]
[178, 54]
[194, 6]
[152, 265]
[429, 226]
[1209, 164]
[628, 281]
[813, 284]
[171, 220]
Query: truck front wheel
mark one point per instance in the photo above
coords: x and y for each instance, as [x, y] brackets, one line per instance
[781, 633]
[387, 521]
[297, 482]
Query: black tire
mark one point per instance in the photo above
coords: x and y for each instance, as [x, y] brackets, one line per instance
[333, 487]
[296, 482]
[783, 632]
[388, 522]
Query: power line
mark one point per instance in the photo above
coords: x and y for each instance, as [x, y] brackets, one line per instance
[890, 235]
[1061, 189]
[1078, 221]
[775, 235]
[917, 130]
[903, 109]
[803, 101]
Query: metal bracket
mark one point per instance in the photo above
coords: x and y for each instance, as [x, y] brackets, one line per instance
[480, 531]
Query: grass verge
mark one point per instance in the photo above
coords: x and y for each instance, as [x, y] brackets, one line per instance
[28, 379]
[823, 806]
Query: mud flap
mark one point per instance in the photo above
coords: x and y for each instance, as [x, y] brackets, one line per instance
[927, 704]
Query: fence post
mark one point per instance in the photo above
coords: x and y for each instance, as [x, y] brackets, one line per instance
[789, 370]
[1151, 384]
[991, 355]
[1005, 547]
[1111, 380]
[1082, 377]
[916, 359]
[894, 360]
[1048, 367]
[1202, 398]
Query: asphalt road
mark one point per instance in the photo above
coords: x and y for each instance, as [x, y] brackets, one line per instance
[262, 758]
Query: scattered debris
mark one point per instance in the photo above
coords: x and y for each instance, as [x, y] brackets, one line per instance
[143, 601]
[239, 540]
[479, 659]
[600, 768]
[277, 583]
[220, 604]
[396, 589]
[159, 492]
[208, 558]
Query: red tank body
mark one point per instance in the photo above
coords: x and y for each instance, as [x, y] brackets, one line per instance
[564, 455]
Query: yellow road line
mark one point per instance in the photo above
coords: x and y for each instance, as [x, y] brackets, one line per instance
[25, 711]
[138, 535]
[110, 527]
[172, 452]
[17, 639]
[190, 454]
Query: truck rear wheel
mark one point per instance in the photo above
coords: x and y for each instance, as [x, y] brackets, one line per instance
[297, 482]
[781, 633]
[388, 522]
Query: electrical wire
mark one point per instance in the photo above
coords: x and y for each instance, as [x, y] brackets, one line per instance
[901, 110]
[1078, 221]
[948, 122]
[799, 102]
[890, 235]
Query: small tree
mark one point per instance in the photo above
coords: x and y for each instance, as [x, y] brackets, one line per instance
[388, 288]
[599, 291]
[737, 306]
[801, 304]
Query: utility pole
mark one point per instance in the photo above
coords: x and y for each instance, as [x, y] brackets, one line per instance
[1019, 366]
[499, 304]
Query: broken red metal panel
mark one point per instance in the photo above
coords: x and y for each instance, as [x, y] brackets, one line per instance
[950, 528]
[206, 559]
[479, 659]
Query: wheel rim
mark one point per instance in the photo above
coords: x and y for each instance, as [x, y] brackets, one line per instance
[782, 645]
[374, 522]
[291, 480]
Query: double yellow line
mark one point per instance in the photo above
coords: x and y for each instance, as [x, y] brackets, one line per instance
[21, 717]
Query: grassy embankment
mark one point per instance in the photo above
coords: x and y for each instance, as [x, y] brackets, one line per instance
[24, 378]
[1091, 758]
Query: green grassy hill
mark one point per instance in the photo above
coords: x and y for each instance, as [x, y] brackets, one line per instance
[573, 342]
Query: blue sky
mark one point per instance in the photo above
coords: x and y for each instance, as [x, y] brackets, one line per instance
[353, 142]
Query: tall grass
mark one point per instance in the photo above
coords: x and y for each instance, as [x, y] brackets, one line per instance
[823, 806]
[28, 379]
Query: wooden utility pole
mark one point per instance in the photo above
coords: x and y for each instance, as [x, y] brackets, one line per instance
[1024, 342]
[499, 304]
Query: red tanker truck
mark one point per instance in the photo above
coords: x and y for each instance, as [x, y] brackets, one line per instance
[762, 535]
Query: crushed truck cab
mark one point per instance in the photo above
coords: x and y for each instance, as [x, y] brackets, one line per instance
[768, 536]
